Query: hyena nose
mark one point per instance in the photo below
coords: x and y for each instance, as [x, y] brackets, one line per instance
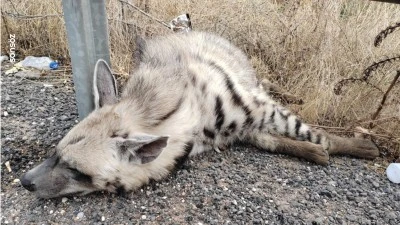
[28, 185]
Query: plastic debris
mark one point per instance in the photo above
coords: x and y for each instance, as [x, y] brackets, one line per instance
[17, 67]
[41, 63]
[393, 172]
[181, 23]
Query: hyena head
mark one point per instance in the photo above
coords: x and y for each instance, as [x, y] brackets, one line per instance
[97, 153]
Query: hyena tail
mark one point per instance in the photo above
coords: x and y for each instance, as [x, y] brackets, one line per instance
[276, 119]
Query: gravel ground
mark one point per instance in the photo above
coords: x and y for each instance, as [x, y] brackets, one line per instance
[241, 186]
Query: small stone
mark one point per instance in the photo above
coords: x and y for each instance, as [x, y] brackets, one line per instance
[5, 113]
[8, 166]
[51, 212]
[144, 217]
[64, 118]
[376, 184]
[103, 218]
[80, 215]
[15, 181]
[64, 200]
[391, 215]
[351, 218]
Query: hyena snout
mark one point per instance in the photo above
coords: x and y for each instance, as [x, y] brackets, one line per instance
[27, 183]
[44, 179]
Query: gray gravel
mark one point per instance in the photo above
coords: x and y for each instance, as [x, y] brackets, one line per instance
[241, 186]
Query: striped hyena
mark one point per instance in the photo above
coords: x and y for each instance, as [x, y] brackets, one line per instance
[190, 93]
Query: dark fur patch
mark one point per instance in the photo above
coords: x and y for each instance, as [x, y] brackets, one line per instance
[297, 127]
[283, 116]
[308, 136]
[219, 113]
[194, 79]
[81, 177]
[261, 127]
[272, 117]
[179, 161]
[76, 140]
[236, 99]
[55, 160]
[230, 129]
[287, 130]
[209, 133]
[169, 114]
[203, 88]
[318, 141]
[232, 126]
[249, 121]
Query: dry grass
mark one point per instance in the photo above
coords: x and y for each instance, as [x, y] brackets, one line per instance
[304, 46]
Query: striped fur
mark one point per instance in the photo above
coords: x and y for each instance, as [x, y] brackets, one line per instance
[190, 93]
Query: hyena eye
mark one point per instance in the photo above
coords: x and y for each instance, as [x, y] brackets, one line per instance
[79, 176]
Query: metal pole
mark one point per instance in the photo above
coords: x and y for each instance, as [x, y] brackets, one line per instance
[86, 24]
[388, 1]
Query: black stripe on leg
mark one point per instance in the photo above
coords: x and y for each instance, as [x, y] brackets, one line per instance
[309, 135]
[297, 127]
[219, 113]
[272, 116]
[209, 133]
[318, 141]
[283, 116]
[261, 127]
[179, 161]
[249, 121]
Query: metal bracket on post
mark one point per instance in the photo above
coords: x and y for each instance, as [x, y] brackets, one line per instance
[86, 24]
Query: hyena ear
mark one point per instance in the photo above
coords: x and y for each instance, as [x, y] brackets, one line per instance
[104, 85]
[141, 148]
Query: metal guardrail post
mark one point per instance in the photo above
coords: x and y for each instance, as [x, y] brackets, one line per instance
[388, 1]
[86, 24]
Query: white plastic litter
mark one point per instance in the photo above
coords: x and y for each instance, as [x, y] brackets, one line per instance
[41, 63]
[393, 172]
[181, 23]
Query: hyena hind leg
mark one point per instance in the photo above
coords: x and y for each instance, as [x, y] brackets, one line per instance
[302, 149]
[358, 147]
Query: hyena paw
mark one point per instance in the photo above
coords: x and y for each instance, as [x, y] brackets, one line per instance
[319, 156]
[364, 148]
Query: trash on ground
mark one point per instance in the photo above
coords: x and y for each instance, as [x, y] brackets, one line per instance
[393, 172]
[17, 67]
[181, 23]
[41, 63]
